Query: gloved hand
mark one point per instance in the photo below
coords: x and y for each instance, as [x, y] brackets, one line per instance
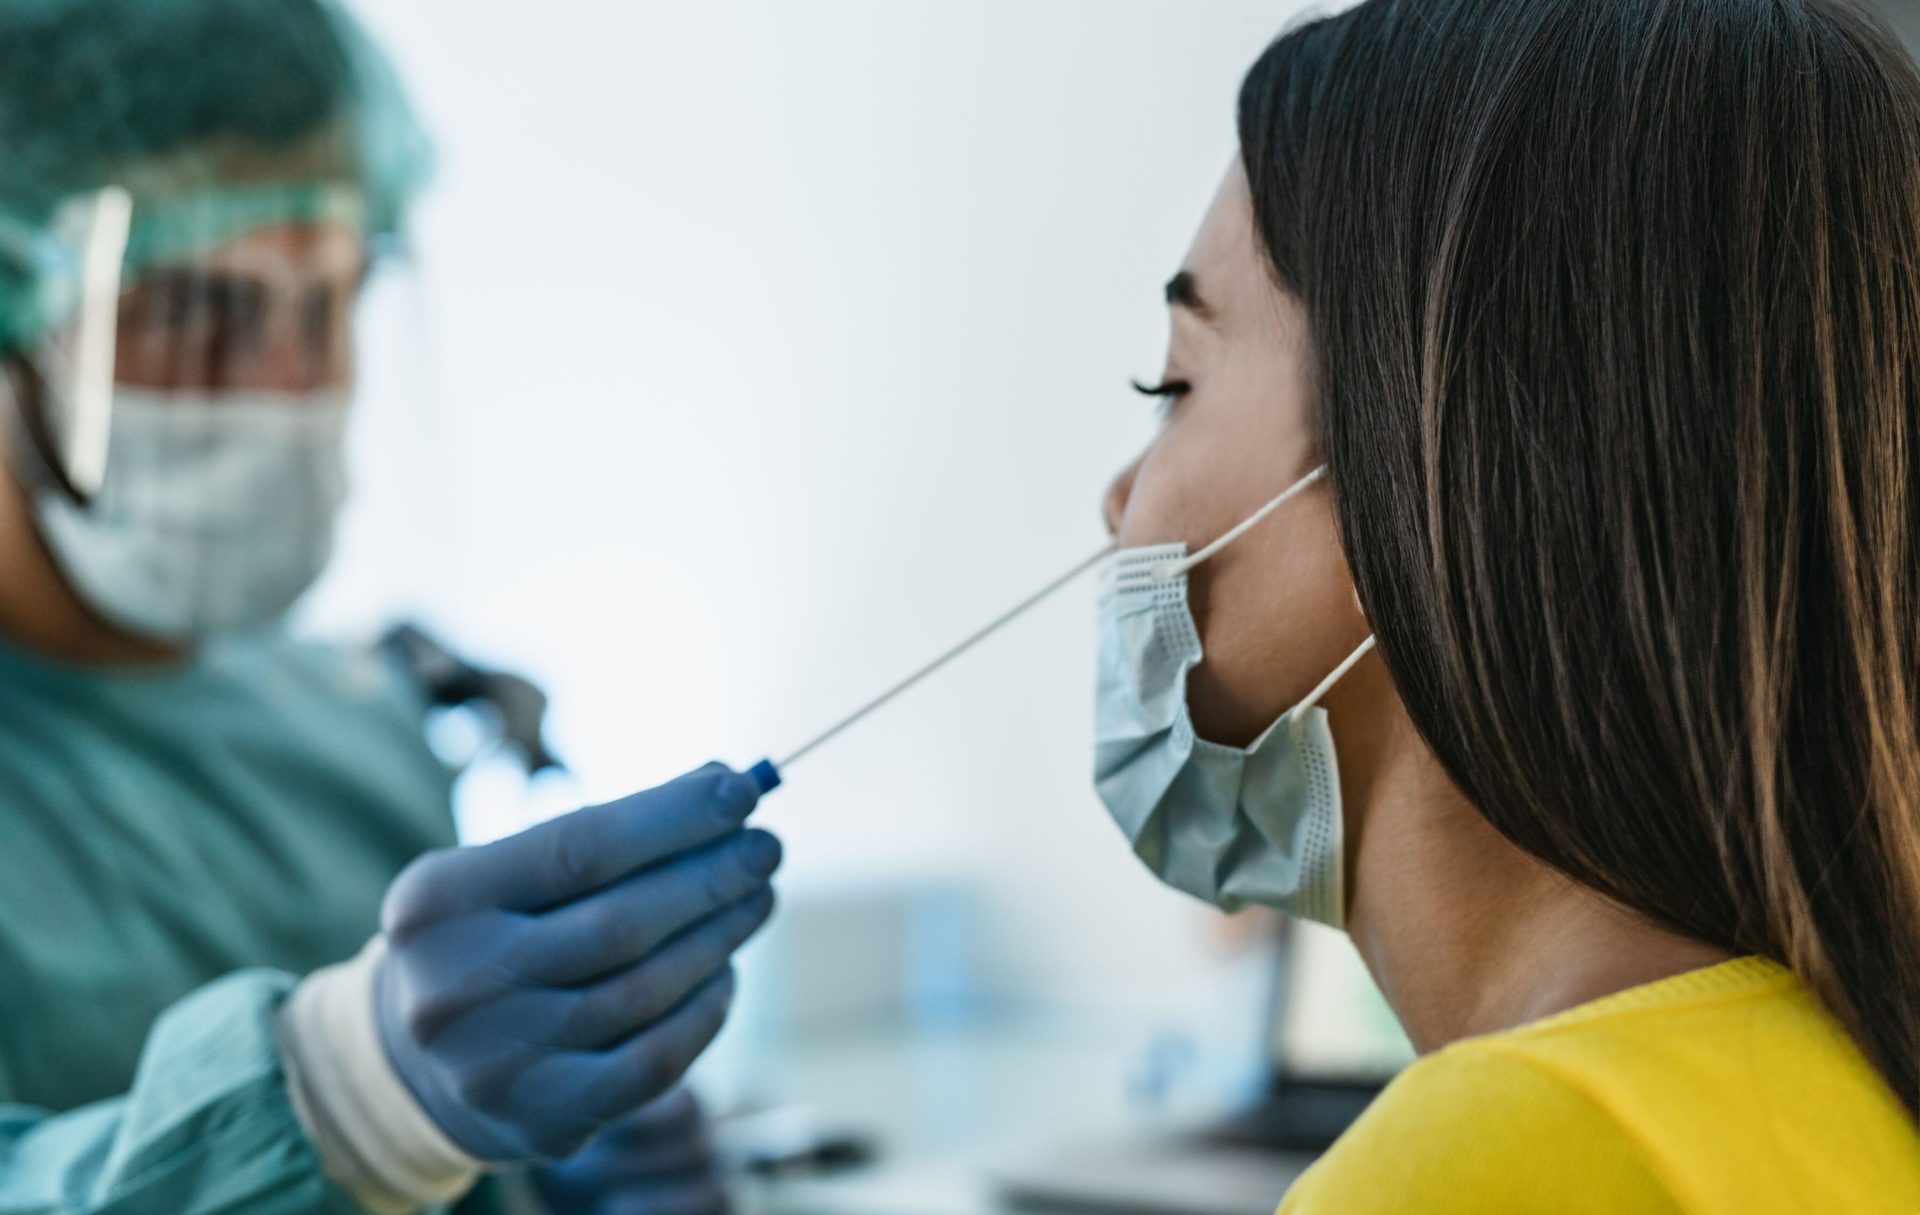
[539, 988]
[657, 1161]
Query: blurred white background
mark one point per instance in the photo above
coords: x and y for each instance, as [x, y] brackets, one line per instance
[764, 349]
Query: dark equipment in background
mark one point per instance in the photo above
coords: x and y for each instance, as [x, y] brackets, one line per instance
[515, 702]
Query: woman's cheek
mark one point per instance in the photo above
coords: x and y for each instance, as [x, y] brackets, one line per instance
[1276, 615]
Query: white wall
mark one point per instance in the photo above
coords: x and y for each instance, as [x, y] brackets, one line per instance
[778, 344]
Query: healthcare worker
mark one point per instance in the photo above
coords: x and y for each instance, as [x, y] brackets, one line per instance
[226, 982]
[1576, 673]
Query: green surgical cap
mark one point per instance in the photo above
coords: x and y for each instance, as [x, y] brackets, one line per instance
[216, 116]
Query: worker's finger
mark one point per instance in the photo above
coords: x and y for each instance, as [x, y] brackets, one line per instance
[613, 1191]
[669, 1134]
[686, 1196]
[580, 852]
[669, 1153]
[614, 1008]
[616, 927]
[642, 1068]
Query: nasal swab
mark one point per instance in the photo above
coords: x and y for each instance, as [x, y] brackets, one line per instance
[768, 773]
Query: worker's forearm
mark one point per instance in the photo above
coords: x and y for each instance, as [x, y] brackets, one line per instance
[207, 1126]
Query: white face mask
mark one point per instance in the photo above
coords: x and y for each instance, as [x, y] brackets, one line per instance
[1231, 826]
[216, 514]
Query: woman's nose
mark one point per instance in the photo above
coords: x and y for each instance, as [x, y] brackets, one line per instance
[1113, 508]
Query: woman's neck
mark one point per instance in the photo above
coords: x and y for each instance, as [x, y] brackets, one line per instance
[40, 612]
[1465, 933]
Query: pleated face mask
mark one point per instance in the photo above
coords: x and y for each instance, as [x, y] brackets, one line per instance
[217, 513]
[1229, 825]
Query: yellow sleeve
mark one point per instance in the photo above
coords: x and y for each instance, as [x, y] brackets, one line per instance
[1479, 1131]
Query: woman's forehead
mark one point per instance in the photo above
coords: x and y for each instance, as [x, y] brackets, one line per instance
[1226, 263]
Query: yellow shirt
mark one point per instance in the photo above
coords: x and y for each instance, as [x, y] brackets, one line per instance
[1727, 1090]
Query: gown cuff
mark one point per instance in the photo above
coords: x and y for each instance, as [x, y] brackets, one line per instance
[373, 1138]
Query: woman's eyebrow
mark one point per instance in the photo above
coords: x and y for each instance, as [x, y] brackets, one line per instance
[1183, 291]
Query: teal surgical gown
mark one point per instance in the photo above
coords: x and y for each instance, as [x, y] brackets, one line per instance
[178, 846]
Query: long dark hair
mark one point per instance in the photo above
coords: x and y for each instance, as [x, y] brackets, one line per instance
[1615, 311]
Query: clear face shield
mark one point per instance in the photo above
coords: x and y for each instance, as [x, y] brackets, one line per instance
[180, 426]
[63, 391]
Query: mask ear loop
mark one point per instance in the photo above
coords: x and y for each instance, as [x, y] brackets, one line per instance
[1174, 569]
[1292, 718]
[1298, 713]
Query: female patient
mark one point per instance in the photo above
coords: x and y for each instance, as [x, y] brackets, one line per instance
[1581, 345]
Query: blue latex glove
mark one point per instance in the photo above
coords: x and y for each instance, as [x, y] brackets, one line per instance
[540, 988]
[657, 1161]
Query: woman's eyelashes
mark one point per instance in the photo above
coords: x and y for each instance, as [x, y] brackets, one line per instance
[1167, 393]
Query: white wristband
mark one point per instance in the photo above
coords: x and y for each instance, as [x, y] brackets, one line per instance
[374, 1140]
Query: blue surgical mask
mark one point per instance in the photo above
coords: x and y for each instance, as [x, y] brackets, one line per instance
[1228, 825]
